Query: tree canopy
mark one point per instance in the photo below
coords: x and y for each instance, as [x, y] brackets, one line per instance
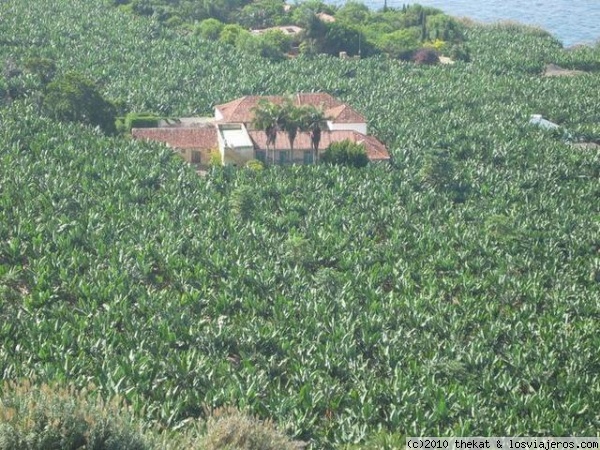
[73, 97]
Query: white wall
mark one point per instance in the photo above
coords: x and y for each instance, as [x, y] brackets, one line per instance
[360, 127]
[235, 144]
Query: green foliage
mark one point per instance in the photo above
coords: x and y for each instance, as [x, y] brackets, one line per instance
[215, 159]
[345, 153]
[278, 39]
[232, 34]
[353, 303]
[305, 12]
[273, 44]
[445, 28]
[255, 165]
[140, 120]
[243, 202]
[75, 98]
[210, 29]
[261, 14]
[43, 68]
[353, 13]
[438, 170]
[287, 117]
[459, 52]
[174, 21]
[400, 44]
[516, 48]
[339, 37]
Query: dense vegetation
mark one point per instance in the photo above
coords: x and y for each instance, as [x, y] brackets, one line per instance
[351, 28]
[456, 291]
[346, 153]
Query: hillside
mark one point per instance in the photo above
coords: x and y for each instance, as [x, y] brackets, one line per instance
[456, 291]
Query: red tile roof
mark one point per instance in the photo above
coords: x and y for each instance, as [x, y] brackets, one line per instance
[180, 138]
[376, 151]
[344, 114]
[319, 99]
[241, 110]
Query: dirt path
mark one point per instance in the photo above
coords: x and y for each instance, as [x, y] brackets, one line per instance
[552, 70]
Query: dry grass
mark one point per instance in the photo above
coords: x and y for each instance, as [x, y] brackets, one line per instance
[228, 429]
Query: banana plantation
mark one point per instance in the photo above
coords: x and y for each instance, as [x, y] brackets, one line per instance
[454, 291]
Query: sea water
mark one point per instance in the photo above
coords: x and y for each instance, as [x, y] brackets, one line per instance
[571, 21]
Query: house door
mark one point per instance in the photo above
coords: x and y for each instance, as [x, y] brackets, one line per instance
[195, 157]
[308, 157]
[284, 157]
[261, 155]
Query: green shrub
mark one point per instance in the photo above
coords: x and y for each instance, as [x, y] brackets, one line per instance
[174, 22]
[210, 29]
[232, 34]
[215, 159]
[459, 52]
[120, 125]
[255, 165]
[401, 43]
[345, 153]
[140, 120]
[46, 417]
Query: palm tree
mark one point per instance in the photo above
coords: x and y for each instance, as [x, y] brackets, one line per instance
[314, 122]
[271, 118]
[267, 117]
[292, 119]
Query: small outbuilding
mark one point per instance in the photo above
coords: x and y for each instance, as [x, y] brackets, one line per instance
[538, 120]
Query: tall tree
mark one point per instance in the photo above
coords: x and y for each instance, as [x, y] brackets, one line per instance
[291, 120]
[267, 118]
[74, 98]
[314, 122]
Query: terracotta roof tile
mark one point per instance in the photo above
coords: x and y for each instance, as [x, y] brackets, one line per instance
[240, 110]
[180, 138]
[344, 114]
[376, 151]
[319, 99]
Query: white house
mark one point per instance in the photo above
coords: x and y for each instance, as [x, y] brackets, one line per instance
[231, 133]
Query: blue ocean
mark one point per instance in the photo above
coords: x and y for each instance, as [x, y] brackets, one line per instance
[571, 21]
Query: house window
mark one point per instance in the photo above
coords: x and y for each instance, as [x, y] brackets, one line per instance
[261, 155]
[308, 157]
[284, 157]
[195, 159]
